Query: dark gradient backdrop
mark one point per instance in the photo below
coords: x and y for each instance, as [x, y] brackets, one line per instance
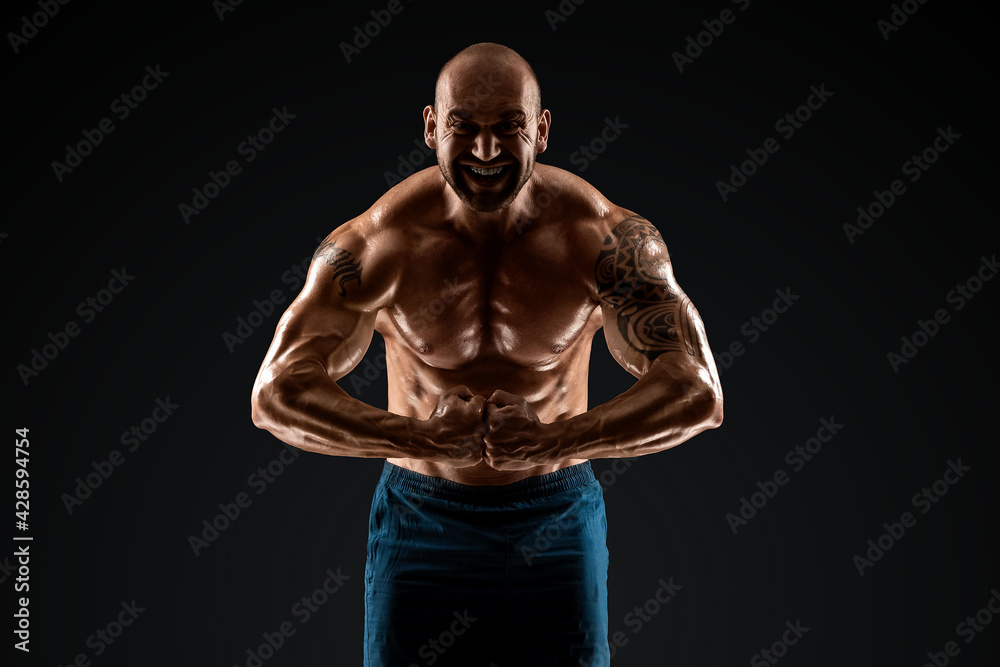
[182, 330]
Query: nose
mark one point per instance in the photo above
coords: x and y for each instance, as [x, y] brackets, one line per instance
[486, 146]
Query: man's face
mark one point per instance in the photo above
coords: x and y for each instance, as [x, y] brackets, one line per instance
[486, 130]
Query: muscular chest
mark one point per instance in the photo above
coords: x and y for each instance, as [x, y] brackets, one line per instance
[524, 300]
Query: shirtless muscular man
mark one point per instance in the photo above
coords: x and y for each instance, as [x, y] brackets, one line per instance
[487, 437]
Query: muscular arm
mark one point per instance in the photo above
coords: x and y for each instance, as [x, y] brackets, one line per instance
[320, 338]
[654, 331]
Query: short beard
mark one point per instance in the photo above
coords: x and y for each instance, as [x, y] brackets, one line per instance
[487, 203]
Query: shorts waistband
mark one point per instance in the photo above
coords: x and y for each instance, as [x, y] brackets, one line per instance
[538, 486]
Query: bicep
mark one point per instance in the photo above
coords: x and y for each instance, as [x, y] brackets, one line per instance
[332, 321]
[646, 313]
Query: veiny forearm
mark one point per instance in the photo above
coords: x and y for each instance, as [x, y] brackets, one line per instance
[305, 408]
[665, 407]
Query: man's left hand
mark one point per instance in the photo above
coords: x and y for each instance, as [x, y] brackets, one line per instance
[515, 438]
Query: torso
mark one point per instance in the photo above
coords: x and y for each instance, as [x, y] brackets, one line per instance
[510, 310]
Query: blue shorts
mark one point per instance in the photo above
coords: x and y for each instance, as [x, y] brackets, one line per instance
[462, 575]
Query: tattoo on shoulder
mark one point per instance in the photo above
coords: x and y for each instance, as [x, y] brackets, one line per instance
[346, 267]
[634, 278]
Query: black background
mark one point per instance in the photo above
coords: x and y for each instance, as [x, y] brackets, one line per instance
[162, 336]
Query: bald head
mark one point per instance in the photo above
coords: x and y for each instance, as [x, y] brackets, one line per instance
[486, 125]
[483, 64]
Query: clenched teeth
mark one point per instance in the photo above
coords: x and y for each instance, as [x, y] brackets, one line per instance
[486, 172]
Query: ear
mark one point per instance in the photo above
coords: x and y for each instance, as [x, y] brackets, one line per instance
[544, 121]
[430, 127]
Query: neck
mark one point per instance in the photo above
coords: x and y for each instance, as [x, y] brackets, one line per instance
[513, 218]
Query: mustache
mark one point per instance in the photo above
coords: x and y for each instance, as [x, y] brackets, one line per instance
[496, 162]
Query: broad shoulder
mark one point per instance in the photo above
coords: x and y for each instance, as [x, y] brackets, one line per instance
[609, 242]
[387, 226]
[591, 219]
[372, 246]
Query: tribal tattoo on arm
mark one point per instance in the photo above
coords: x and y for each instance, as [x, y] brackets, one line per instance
[346, 267]
[634, 278]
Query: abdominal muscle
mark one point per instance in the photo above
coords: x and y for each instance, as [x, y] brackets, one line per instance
[557, 392]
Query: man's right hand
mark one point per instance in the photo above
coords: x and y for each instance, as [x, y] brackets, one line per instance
[456, 428]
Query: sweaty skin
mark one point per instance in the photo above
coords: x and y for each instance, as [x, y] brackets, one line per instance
[488, 294]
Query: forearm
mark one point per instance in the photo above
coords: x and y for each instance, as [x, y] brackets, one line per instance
[305, 408]
[665, 407]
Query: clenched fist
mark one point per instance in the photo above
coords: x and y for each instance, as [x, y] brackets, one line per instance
[457, 428]
[515, 438]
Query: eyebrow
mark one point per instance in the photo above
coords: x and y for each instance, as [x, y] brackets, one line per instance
[506, 115]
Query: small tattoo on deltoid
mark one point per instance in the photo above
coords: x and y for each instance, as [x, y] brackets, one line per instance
[346, 267]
